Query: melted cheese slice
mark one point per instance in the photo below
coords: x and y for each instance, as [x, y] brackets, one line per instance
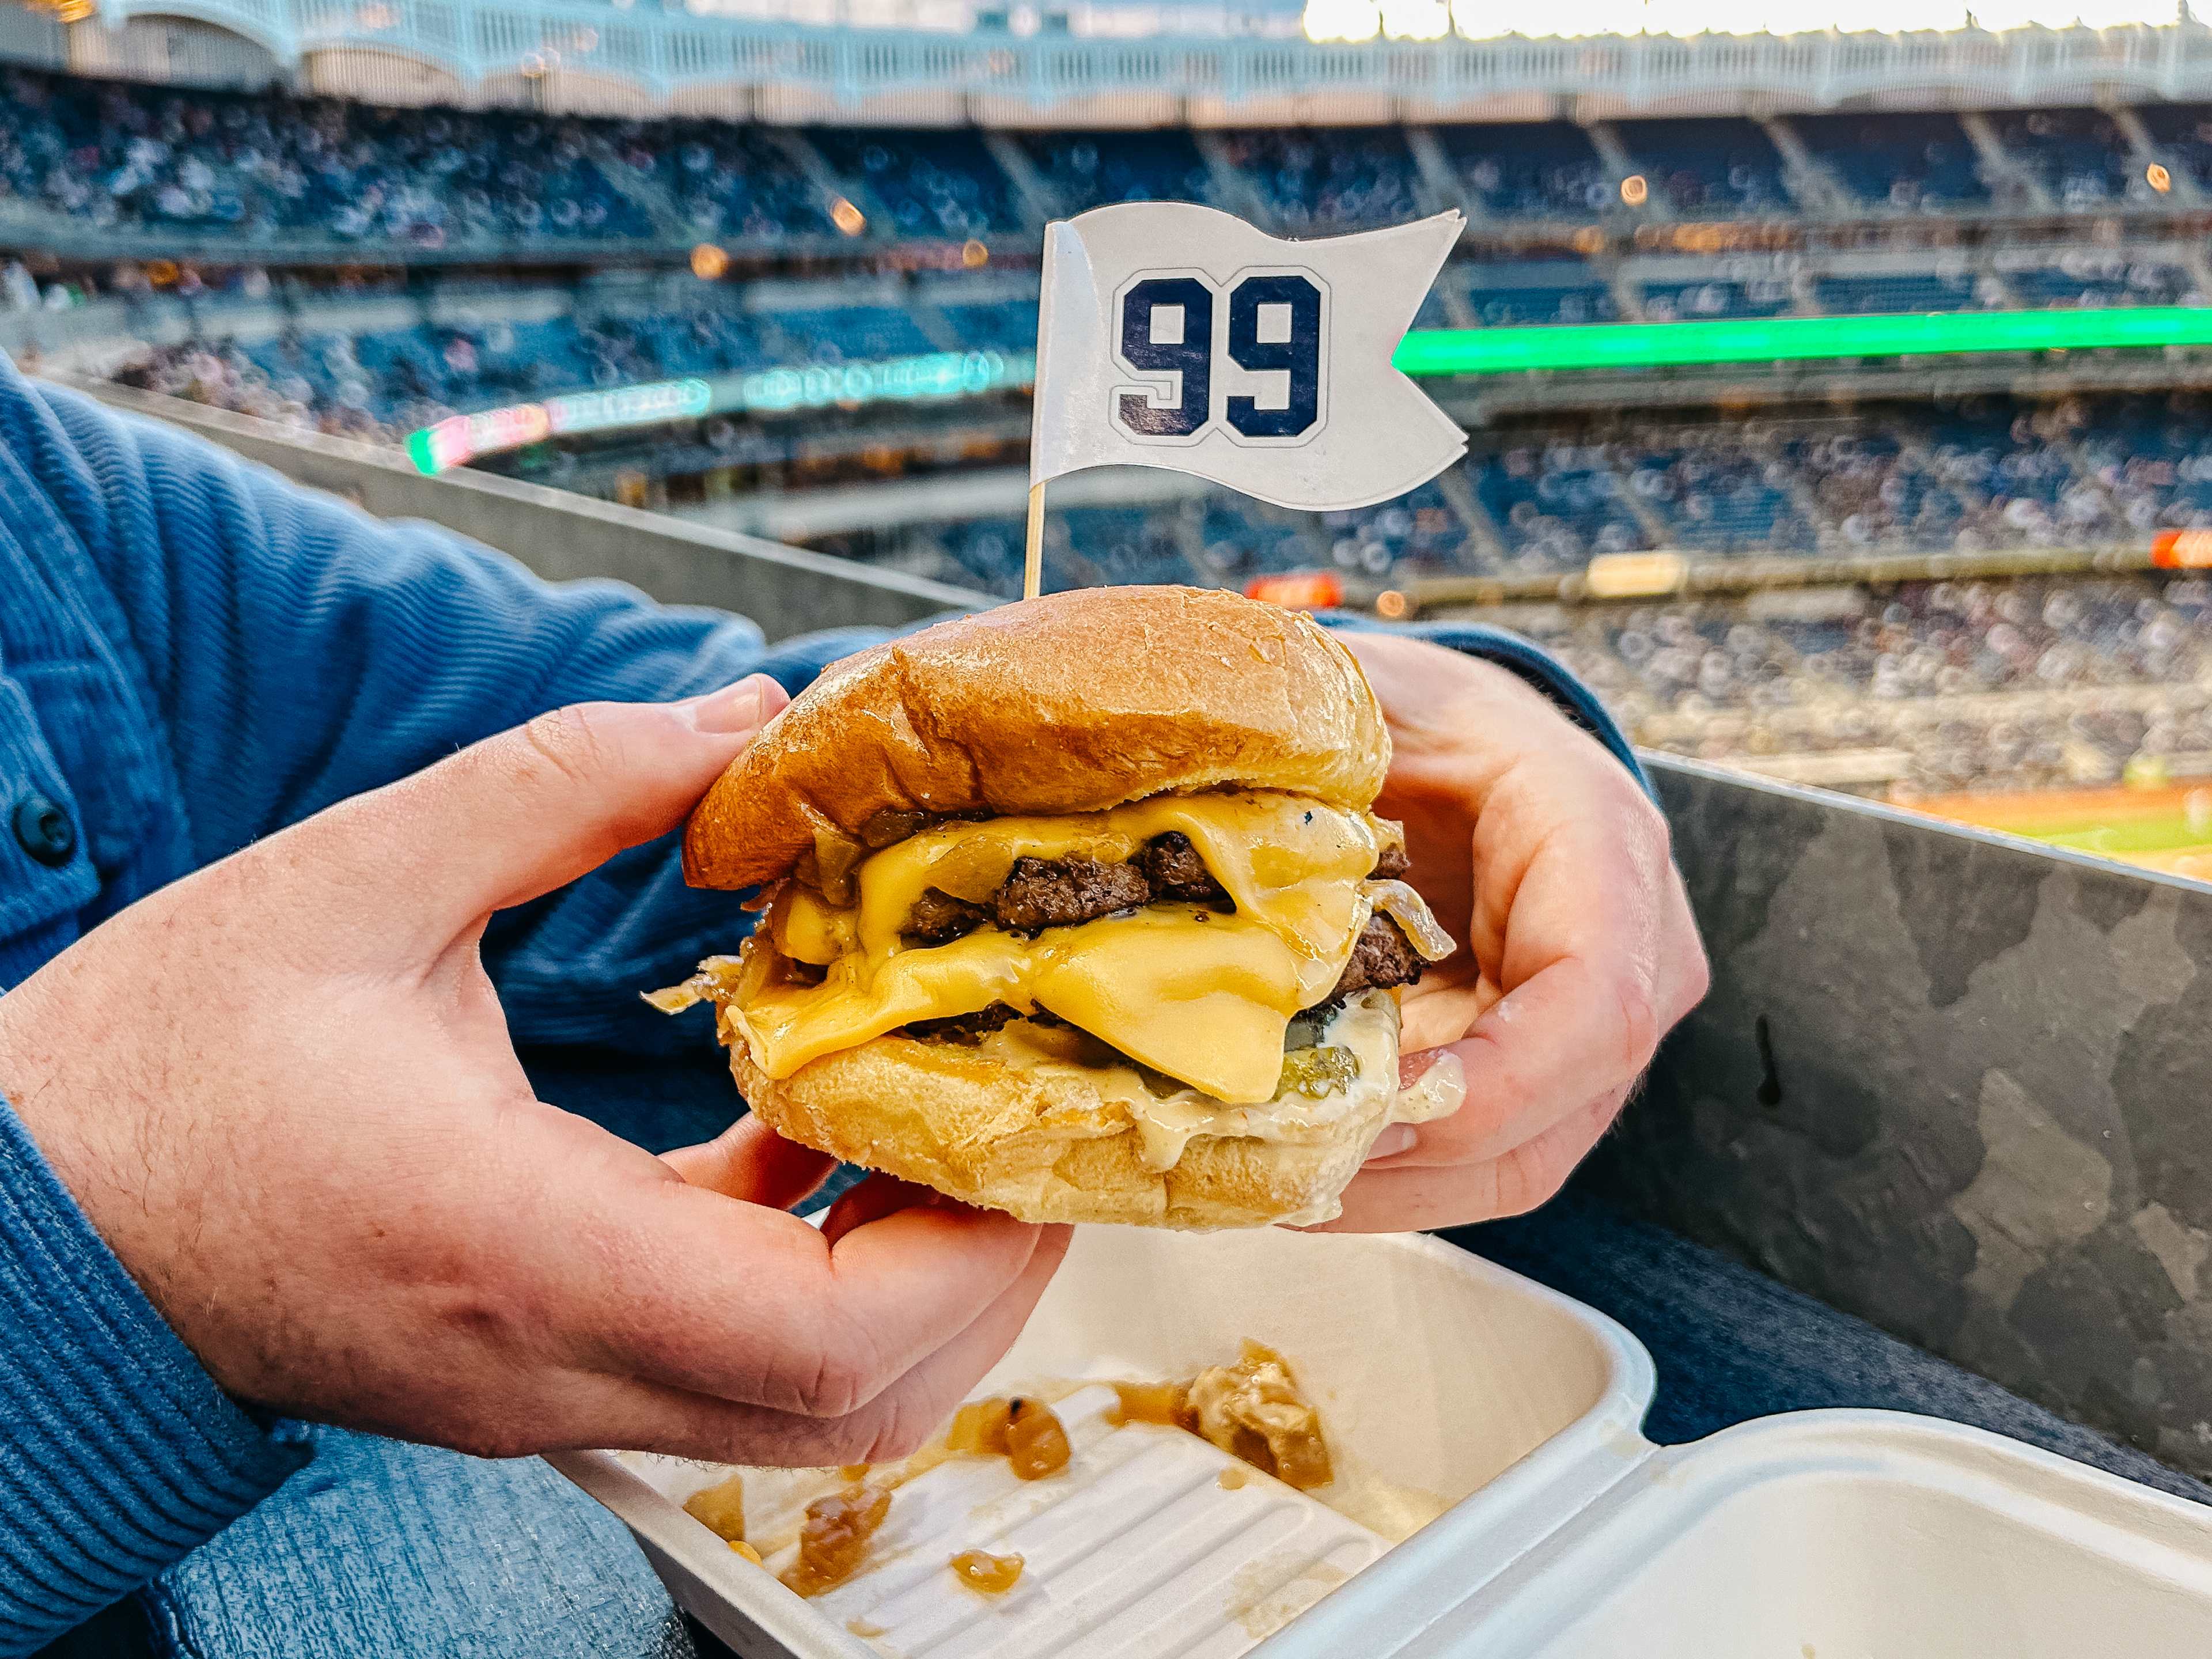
[1203, 997]
[1166, 1122]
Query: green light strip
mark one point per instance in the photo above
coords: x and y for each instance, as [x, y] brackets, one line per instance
[1777, 339]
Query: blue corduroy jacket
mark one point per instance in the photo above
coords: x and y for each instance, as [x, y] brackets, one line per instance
[193, 654]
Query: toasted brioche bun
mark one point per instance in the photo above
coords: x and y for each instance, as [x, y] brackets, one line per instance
[1043, 1146]
[1074, 702]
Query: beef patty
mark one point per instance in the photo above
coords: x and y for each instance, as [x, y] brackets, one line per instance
[1040, 893]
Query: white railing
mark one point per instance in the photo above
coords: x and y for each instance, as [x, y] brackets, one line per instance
[566, 55]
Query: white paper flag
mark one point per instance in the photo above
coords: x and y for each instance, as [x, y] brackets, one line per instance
[1179, 337]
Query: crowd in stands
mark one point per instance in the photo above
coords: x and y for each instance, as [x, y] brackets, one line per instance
[2026, 683]
[1987, 475]
[2025, 680]
[380, 385]
[109, 155]
[1983, 474]
[264, 167]
[2021, 682]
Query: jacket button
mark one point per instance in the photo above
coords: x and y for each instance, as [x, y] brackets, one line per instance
[43, 831]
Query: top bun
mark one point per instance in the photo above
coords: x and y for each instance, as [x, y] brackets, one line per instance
[1073, 702]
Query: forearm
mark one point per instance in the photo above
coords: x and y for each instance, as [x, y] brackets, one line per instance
[122, 1453]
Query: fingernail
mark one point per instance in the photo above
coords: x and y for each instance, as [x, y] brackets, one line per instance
[1394, 1138]
[740, 708]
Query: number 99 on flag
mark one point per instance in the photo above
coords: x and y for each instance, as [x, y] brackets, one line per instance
[1259, 363]
[1270, 325]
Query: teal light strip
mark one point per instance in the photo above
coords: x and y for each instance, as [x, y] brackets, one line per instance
[942, 374]
[1442, 351]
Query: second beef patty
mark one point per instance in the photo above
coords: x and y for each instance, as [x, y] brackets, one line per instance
[1040, 893]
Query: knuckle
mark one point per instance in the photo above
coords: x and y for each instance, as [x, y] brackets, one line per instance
[568, 741]
[1530, 1177]
[1640, 1025]
[1697, 974]
[1645, 822]
[899, 1431]
[848, 1372]
[820, 1445]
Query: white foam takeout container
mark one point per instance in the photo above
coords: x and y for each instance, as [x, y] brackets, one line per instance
[1451, 1387]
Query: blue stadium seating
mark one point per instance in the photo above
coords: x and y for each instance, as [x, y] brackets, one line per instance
[988, 553]
[1417, 534]
[1687, 301]
[1109, 544]
[702, 342]
[1527, 170]
[1899, 291]
[1710, 168]
[735, 183]
[1715, 501]
[1502, 294]
[1096, 169]
[1328, 180]
[2080, 154]
[1498, 307]
[1002, 325]
[2155, 455]
[841, 334]
[2183, 133]
[121, 156]
[2090, 278]
[125, 157]
[1556, 504]
[1910, 162]
[932, 184]
[1246, 538]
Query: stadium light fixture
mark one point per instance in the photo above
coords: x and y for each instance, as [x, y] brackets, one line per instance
[1791, 339]
[1352, 20]
[1487, 20]
[1416, 20]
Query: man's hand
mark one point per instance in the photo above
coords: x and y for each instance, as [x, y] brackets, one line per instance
[282, 1089]
[1538, 851]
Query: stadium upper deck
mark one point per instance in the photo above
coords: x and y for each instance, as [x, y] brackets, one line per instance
[1067, 63]
[94, 168]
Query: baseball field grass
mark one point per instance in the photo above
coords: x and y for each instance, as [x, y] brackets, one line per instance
[2167, 828]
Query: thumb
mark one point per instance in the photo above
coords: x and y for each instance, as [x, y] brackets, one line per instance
[531, 808]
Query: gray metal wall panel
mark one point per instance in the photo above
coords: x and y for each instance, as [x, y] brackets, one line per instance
[1958, 1085]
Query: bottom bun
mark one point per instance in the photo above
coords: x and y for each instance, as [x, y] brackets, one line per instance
[1047, 1144]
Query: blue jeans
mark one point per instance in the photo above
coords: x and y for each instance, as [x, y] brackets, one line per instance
[381, 1548]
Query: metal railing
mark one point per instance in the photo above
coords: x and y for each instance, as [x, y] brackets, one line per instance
[598, 57]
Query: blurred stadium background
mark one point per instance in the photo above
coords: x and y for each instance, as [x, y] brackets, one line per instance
[771, 266]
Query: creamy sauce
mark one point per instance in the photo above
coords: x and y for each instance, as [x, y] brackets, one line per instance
[1437, 1092]
[1167, 1123]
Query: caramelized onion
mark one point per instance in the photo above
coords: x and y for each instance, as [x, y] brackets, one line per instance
[1399, 902]
[988, 1574]
[833, 1538]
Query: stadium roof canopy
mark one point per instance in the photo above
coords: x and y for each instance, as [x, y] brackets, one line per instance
[1062, 64]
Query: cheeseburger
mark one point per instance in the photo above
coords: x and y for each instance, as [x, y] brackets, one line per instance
[1076, 909]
